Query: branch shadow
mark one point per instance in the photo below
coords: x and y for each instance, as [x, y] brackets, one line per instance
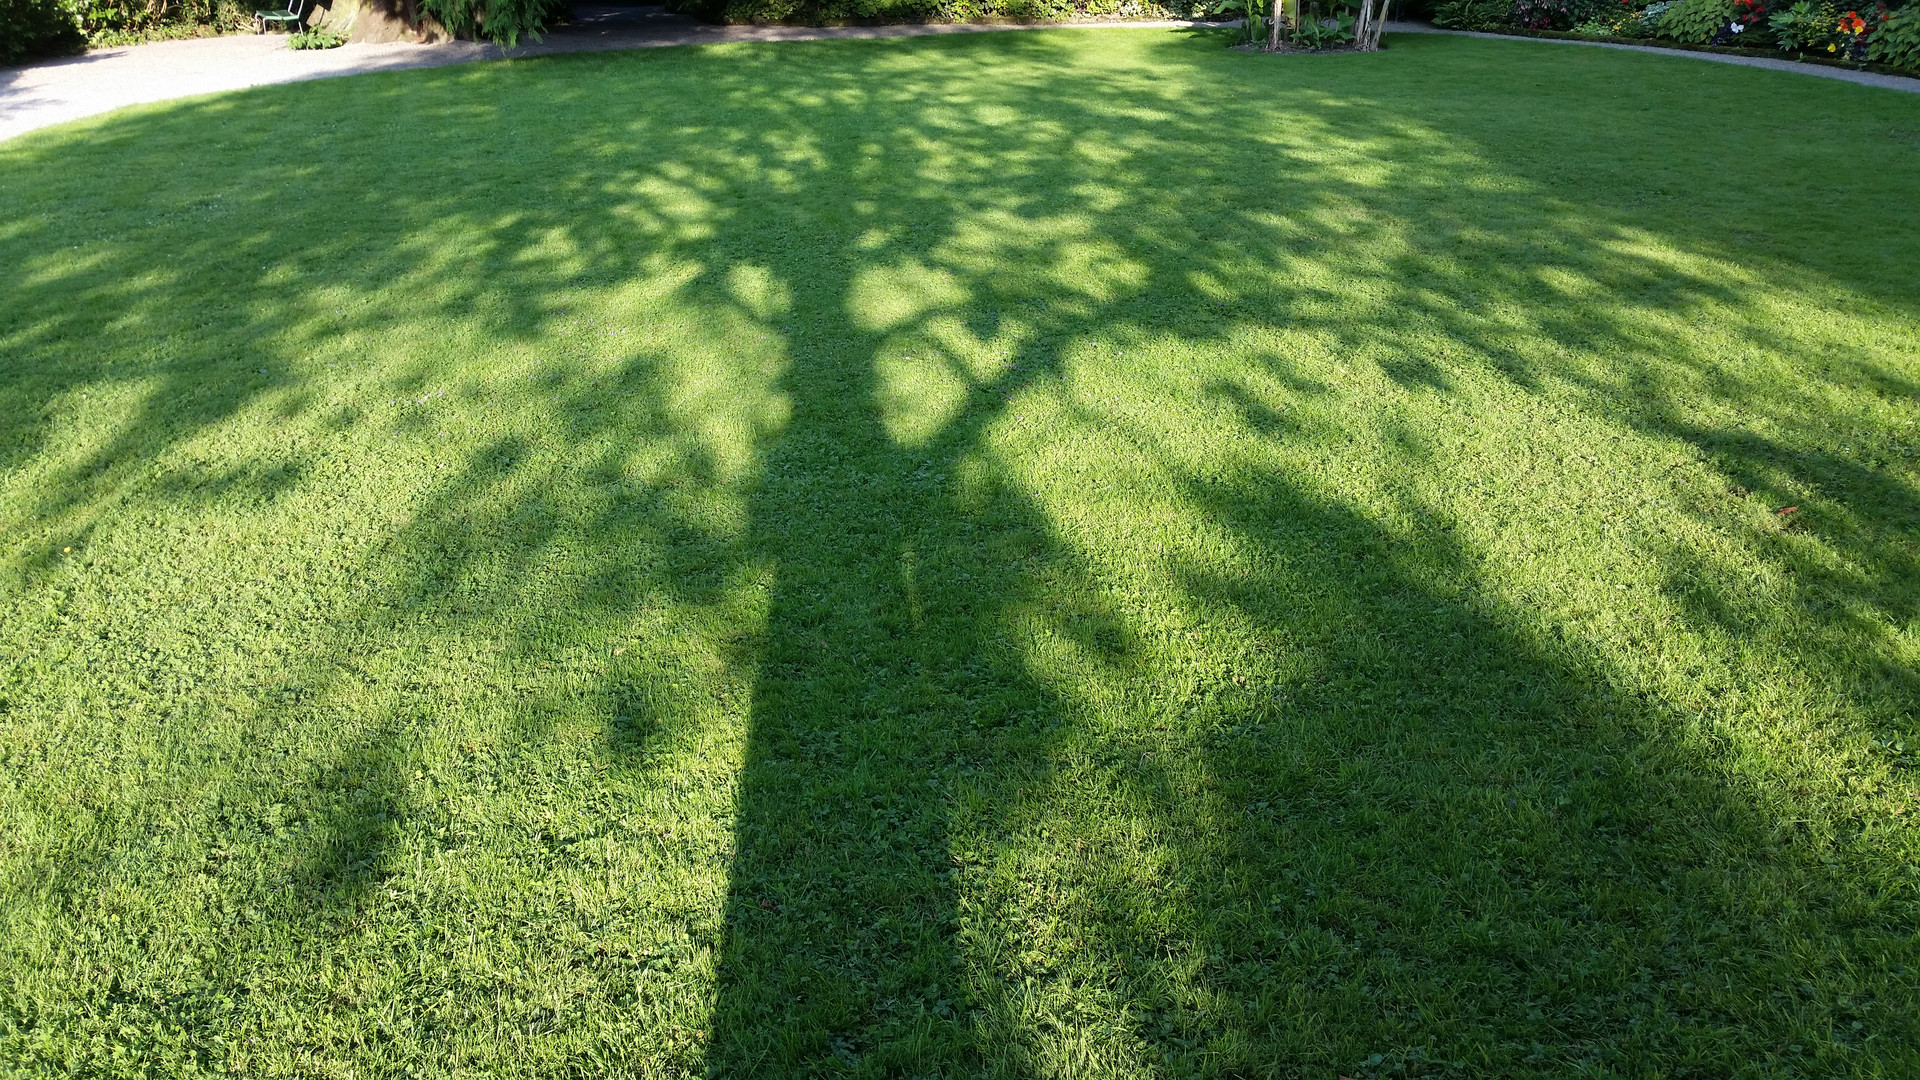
[1039, 733]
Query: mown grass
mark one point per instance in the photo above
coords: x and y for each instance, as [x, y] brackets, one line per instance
[1057, 554]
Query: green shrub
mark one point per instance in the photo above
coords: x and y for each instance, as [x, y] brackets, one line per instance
[318, 37]
[1626, 22]
[1696, 22]
[117, 22]
[1485, 15]
[503, 22]
[1897, 41]
[1252, 16]
[1316, 31]
[1562, 14]
[1807, 27]
[30, 29]
[1750, 26]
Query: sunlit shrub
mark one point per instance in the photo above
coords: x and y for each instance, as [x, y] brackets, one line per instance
[116, 22]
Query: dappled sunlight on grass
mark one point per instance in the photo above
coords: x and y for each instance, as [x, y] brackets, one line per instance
[1069, 555]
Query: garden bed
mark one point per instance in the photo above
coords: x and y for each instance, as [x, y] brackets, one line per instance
[1295, 50]
[1719, 50]
[1883, 39]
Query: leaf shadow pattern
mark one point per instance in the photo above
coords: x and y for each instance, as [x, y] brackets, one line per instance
[992, 700]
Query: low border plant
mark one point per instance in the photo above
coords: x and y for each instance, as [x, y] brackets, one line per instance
[317, 37]
[1317, 32]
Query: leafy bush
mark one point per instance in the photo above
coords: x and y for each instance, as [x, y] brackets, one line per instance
[1560, 14]
[1316, 31]
[824, 11]
[1750, 26]
[1897, 40]
[1624, 21]
[318, 37]
[503, 22]
[1697, 22]
[123, 21]
[1807, 27]
[1484, 15]
[30, 29]
[1253, 16]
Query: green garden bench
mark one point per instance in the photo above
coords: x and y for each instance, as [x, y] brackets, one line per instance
[294, 15]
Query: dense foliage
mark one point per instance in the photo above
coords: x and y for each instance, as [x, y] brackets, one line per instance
[1309, 26]
[1316, 31]
[504, 22]
[121, 22]
[1558, 14]
[1881, 34]
[1806, 27]
[30, 29]
[1483, 15]
[40, 27]
[318, 37]
[1897, 41]
[1696, 22]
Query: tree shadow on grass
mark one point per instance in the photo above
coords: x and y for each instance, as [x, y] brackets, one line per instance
[1042, 718]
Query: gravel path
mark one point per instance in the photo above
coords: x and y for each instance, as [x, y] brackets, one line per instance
[106, 79]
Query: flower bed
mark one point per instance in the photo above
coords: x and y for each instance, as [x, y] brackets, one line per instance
[1882, 39]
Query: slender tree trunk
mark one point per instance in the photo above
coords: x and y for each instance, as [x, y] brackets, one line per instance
[1373, 19]
[1273, 27]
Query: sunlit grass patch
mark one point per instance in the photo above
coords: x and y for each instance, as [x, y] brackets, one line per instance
[1062, 554]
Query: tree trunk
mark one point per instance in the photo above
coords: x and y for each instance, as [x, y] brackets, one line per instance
[1373, 20]
[1273, 28]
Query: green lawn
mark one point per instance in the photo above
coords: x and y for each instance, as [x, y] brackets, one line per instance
[1057, 554]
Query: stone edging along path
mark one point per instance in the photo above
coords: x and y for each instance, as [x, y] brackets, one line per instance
[102, 80]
